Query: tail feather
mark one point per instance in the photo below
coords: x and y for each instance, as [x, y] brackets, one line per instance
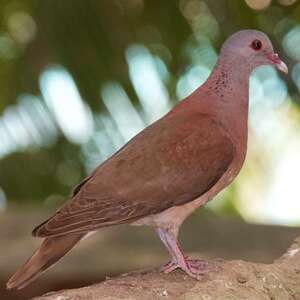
[50, 251]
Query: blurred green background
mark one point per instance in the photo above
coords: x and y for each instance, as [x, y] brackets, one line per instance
[80, 78]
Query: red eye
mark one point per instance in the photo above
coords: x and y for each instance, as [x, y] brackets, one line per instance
[256, 45]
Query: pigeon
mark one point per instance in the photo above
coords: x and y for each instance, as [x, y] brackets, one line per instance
[172, 167]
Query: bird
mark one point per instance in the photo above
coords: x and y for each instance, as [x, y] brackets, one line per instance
[174, 166]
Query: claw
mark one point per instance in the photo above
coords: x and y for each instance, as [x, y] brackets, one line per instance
[193, 267]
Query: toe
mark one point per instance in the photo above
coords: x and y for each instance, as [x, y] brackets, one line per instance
[169, 267]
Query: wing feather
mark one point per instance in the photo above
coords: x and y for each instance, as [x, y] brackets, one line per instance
[170, 163]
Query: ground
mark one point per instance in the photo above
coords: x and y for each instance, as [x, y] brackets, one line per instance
[122, 249]
[233, 280]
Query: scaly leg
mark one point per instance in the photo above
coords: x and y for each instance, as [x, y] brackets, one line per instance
[193, 267]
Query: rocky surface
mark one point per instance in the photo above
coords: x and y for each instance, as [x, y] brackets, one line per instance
[232, 280]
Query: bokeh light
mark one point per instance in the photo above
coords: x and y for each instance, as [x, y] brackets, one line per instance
[258, 4]
[291, 43]
[63, 99]
[145, 78]
[98, 95]
[22, 27]
[287, 2]
[122, 110]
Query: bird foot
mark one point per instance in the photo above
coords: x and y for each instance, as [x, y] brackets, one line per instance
[193, 267]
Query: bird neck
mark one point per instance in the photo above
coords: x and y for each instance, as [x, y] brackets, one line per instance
[231, 76]
[229, 85]
[227, 98]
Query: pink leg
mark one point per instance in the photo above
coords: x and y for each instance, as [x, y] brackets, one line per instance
[193, 267]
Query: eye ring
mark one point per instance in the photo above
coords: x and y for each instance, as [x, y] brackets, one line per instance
[256, 45]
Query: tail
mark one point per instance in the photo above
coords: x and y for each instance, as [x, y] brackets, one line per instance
[51, 250]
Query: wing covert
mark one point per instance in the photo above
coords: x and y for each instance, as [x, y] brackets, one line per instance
[170, 163]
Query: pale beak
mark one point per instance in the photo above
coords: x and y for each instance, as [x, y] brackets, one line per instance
[278, 63]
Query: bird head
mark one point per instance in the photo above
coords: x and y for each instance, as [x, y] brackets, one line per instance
[254, 48]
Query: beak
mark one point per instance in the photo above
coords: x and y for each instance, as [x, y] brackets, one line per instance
[278, 63]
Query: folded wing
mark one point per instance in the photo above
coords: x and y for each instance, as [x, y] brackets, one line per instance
[170, 163]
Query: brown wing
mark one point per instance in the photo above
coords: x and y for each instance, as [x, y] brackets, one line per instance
[170, 163]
